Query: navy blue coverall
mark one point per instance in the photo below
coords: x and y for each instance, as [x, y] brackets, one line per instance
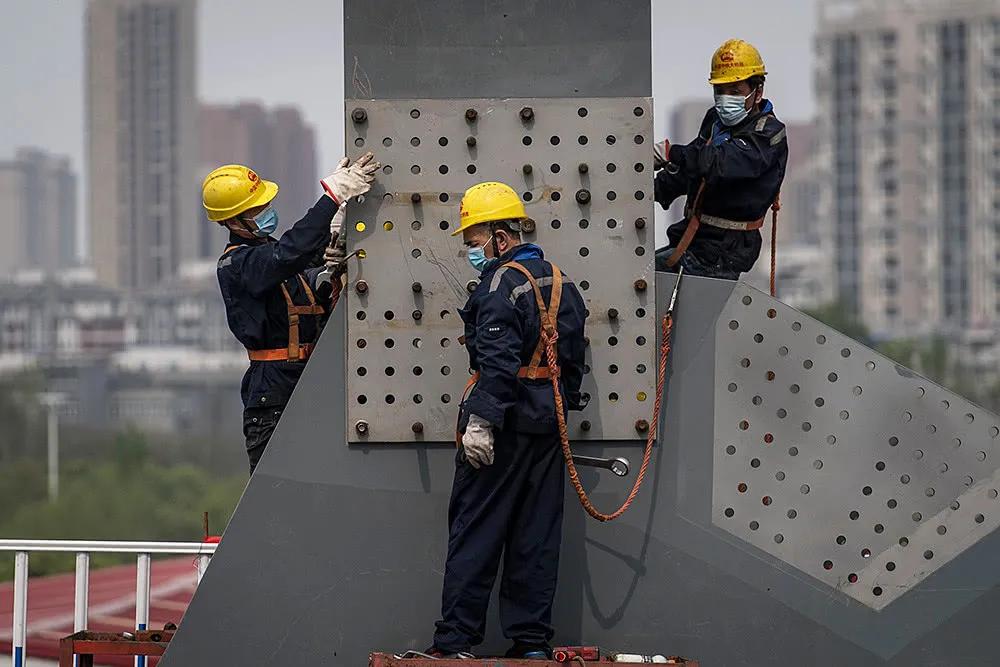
[251, 275]
[743, 167]
[514, 507]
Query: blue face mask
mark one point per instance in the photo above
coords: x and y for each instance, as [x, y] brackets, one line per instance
[266, 221]
[732, 109]
[478, 259]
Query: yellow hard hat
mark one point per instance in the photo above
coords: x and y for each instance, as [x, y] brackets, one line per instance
[488, 202]
[734, 61]
[232, 189]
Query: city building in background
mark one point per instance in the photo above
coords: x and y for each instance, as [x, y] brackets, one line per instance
[39, 224]
[908, 143]
[141, 125]
[277, 144]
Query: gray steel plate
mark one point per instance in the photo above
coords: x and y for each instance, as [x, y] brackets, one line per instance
[406, 370]
[838, 461]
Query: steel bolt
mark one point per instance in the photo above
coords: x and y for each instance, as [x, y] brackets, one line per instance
[526, 169]
[361, 426]
[417, 315]
[528, 226]
[361, 287]
[470, 142]
[612, 313]
[359, 115]
[582, 168]
[416, 287]
[417, 428]
[585, 425]
[415, 198]
[583, 196]
[641, 425]
[527, 114]
[640, 285]
[471, 115]
[640, 223]
[471, 286]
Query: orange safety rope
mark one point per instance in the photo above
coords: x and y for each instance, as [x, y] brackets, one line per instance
[550, 336]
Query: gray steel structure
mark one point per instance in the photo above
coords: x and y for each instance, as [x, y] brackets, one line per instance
[337, 550]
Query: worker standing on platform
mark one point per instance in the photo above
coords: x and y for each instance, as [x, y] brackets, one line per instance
[731, 173]
[273, 303]
[507, 497]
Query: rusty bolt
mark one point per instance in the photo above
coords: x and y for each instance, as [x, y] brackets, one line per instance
[361, 287]
[417, 427]
[528, 226]
[361, 426]
[527, 114]
[585, 425]
[526, 169]
[416, 287]
[583, 196]
[471, 286]
[582, 168]
[640, 285]
[415, 198]
[471, 115]
[641, 425]
[417, 315]
[640, 223]
[359, 115]
[470, 142]
[612, 313]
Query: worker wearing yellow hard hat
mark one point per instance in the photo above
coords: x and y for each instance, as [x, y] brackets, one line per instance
[731, 172]
[507, 496]
[275, 300]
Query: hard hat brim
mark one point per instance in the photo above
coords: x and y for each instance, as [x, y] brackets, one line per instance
[264, 196]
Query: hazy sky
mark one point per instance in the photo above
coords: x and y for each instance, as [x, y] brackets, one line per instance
[290, 53]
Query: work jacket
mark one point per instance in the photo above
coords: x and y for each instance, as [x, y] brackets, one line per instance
[742, 167]
[251, 275]
[502, 330]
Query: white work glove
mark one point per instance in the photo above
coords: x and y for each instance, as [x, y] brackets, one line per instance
[661, 154]
[351, 181]
[478, 442]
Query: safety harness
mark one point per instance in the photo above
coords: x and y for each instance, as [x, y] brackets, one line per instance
[549, 336]
[295, 351]
[692, 211]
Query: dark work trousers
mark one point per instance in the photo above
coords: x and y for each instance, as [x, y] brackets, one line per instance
[512, 508]
[694, 266]
[258, 425]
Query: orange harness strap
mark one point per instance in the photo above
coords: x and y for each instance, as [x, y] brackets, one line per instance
[295, 351]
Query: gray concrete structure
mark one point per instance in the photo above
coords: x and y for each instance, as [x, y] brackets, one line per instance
[337, 550]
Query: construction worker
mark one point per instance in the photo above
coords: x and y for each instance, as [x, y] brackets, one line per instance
[273, 303]
[731, 173]
[507, 496]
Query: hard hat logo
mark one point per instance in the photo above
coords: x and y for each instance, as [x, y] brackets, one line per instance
[252, 175]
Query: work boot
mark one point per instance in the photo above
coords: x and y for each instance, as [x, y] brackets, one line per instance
[522, 651]
[440, 654]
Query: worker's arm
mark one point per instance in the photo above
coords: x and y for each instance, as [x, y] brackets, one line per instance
[266, 266]
[669, 186]
[575, 350]
[746, 156]
[499, 335]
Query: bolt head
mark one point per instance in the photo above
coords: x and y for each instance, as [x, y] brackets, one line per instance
[582, 168]
[415, 198]
[527, 113]
[361, 287]
[640, 223]
[641, 425]
[417, 288]
[526, 169]
[361, 427]
[612, 313]
[470, 141]
[583, 196]
[471, 286]
[640, 285]
[417, 315]
[528, 226]
[471, 115]
[585, 425]
[417, 428]
[359, 115]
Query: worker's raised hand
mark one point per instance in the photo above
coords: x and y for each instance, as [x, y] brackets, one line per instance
[350, 180]
[478, 442]
[661, 154]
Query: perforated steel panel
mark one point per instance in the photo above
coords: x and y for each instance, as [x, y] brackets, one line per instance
[838, 461]
[583, 168]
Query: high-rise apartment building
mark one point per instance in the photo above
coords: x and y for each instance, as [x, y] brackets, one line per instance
[277, 144]
[39, 221]
[909, 143]
[141, 134]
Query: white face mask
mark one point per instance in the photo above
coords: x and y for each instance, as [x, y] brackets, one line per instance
[732, 109]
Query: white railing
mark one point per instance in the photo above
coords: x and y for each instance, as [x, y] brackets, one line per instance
[83, 549]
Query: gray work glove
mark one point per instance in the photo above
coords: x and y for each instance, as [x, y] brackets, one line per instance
[350, 180]
[661, 154]
[478, 442]
[334, 256]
